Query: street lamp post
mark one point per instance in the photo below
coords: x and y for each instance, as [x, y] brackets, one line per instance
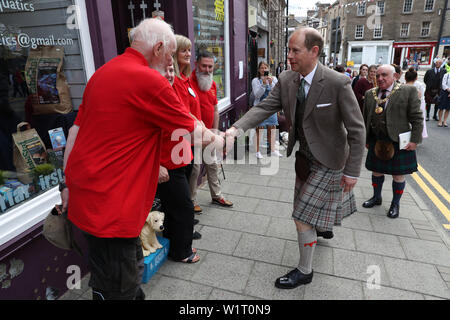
[287, 32]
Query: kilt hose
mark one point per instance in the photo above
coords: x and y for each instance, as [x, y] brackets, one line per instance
[320, 201]
[403, 162]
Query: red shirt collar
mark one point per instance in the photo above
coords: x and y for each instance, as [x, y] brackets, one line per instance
[137, 54]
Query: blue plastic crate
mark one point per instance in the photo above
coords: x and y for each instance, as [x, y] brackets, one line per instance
[155, 260]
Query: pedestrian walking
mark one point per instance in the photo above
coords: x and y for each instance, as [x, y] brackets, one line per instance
[433, 82]
[326, 120]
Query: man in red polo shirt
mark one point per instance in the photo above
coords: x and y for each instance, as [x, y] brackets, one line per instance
[114, 153]
[204, 85]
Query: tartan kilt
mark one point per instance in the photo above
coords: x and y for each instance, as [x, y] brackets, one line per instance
[320, 201]
[403, 162]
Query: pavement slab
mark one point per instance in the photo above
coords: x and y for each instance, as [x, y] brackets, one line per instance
[244, 249]
[417, 277]
[224, 272]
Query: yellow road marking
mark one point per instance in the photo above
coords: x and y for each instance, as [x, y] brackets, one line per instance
[434, 183]
[446, 226]
[438, 203]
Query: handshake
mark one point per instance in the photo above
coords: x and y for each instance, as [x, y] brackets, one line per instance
[217, 140]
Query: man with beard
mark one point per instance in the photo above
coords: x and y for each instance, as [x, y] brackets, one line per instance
[204, 85]
[113, 155]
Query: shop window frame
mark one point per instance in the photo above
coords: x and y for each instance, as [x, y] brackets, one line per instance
[359, 31]
[19, 219]
[410, 11]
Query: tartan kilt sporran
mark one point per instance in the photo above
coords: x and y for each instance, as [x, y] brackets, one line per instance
[403, 162]
[320, 201]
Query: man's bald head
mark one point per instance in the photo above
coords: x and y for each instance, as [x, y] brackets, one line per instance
[385, 76]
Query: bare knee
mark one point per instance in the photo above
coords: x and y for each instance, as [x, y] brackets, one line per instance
[302, 227]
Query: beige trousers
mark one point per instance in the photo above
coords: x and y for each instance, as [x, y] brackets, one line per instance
[212, 173]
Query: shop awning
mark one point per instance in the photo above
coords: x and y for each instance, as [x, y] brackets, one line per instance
[414, 44]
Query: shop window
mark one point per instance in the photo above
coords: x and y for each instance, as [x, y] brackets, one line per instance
[404, 30]
[359, 32]
[42, 79]
[425, 31]
[446, 52]
[211, 33]
[407, 6]
[421, 55]
[356, 55]
[429, 5]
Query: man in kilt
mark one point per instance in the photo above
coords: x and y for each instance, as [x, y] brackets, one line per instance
[324, 116]
[433, 82]
[389, 110]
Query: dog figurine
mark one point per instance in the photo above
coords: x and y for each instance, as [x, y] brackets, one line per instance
[153, 223]
[284, 138]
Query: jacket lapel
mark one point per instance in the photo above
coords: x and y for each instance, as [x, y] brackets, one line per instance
[293, 96]
[393, 99]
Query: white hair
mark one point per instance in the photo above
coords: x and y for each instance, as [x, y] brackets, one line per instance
[391, 68]
[151, 31]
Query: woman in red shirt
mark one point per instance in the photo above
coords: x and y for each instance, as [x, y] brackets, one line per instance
[176, 157]
[182, 83]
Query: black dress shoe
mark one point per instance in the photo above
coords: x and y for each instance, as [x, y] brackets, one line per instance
[293, 279]
[325, 234]
[372, 202]
[394, 211]
[196, 221]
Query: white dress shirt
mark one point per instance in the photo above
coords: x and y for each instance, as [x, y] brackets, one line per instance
[388, 92]
[309, 79]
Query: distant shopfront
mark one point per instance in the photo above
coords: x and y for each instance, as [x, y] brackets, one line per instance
[369, 52]
[415, 52]
[444, 47]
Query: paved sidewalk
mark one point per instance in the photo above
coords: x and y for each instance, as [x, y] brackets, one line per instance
[245, 248]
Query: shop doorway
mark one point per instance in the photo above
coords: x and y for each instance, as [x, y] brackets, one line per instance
[252, 57]
[398, 56]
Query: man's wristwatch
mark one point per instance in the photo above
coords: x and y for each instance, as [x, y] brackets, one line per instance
[62, 186]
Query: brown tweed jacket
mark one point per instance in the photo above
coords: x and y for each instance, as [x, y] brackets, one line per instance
[332, 122]
[403, 113]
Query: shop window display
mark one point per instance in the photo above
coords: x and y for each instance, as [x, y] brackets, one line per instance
[209, 29]
[421, 55]
[41, 83]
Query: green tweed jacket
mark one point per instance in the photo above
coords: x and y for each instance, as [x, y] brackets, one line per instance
[403, 113]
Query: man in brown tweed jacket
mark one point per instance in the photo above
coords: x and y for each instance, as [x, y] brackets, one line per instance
[324, 116]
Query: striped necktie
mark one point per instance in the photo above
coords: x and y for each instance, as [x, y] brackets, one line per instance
[301, 97]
